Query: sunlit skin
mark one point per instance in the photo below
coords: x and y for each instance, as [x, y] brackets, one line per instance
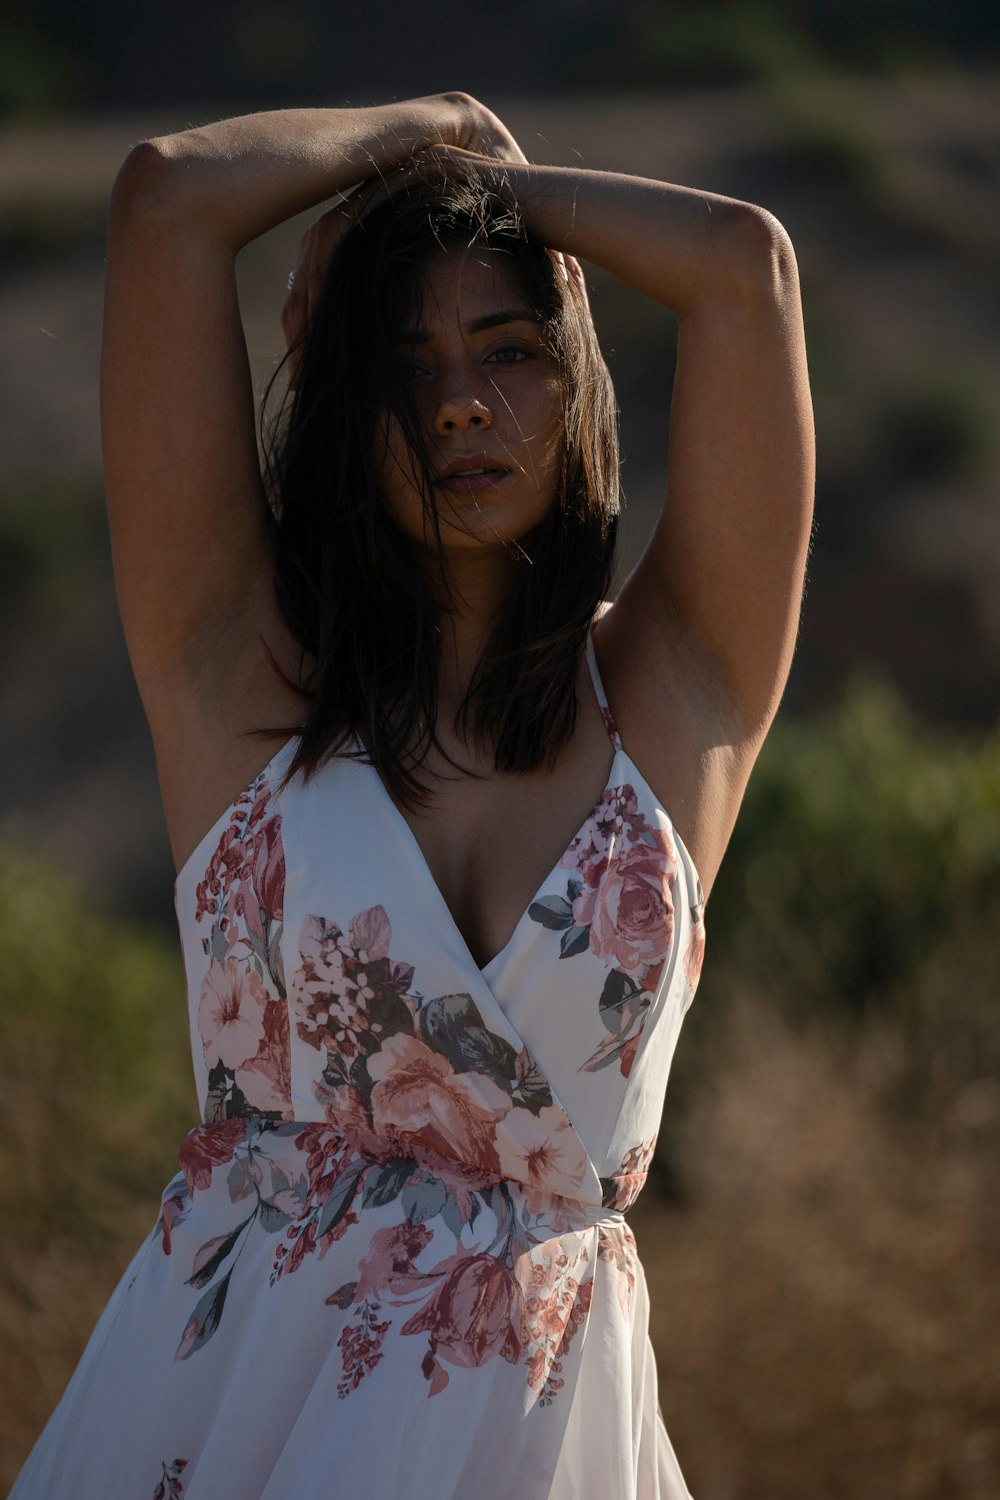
[488, 391]
[695, 648]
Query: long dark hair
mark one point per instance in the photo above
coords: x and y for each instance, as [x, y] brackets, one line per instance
[346, 577]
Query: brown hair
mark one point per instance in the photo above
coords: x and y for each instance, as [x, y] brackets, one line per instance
[345, 575]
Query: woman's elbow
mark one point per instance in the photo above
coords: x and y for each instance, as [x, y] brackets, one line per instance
[146, 180]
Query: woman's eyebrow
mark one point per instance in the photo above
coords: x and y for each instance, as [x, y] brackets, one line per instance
[477, 325]
[497, 319]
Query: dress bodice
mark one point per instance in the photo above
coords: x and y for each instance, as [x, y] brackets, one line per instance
[395, 1258]
[328, 981]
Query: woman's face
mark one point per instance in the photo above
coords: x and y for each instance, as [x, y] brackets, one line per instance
[488, 393]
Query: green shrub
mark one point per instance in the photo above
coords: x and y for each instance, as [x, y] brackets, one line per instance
[53, 541]
[862, 884]
[95, 1065]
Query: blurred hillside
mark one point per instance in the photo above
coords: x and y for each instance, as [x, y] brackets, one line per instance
[888, 188]
[60, 57]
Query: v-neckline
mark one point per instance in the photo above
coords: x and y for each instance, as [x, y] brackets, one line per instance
[439, 896]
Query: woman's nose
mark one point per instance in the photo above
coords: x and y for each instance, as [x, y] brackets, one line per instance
[459, 414]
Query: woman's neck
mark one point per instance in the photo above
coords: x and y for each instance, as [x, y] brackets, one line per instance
[480, 587]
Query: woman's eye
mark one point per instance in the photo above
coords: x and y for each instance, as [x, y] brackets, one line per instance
[509, 355]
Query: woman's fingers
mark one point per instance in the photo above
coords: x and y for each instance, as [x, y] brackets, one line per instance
[490, 145]
[574, 272]
[306, 278]
[490, 135]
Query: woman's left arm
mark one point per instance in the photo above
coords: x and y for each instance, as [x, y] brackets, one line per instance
[724, 571]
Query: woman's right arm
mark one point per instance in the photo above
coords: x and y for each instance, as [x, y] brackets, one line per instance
[192, 559]
[180, 457]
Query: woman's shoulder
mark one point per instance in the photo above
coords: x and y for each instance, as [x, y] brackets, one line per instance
[678, 726]
[217, 718]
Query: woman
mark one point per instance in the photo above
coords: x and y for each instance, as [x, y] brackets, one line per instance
[431, 1062]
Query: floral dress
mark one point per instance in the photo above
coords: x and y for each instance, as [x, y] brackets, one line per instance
[395, 1260]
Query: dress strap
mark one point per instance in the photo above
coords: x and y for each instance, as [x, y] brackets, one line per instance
[602, 697]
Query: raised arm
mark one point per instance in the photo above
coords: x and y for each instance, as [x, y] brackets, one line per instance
[177, 408]
[699, 643]
[187, 512]
[727, 559]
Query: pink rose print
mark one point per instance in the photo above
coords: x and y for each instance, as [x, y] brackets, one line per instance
[616, 819]
[173, 1211]
[345, 1109]
[625, 1184]
[417, 1092]
[242, 1014]
[621, 900]
[618, 907]
[477, 1312]
[207, 1147]
[388, 1266]
[231, 1014]
[543, 1151]
[266, 1079]
[616, 1245]
[695, 953]
[633, 913]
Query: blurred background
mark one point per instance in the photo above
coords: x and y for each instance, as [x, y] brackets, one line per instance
[821, 1232]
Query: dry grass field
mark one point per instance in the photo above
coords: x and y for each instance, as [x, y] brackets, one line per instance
[826, 1303]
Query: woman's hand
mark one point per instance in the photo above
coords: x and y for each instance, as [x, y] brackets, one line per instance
[315, 248]
[483, 132]
[480, 133]
[317, 245]
[570, 267]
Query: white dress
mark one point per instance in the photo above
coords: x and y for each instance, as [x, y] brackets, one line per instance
[395, 1261]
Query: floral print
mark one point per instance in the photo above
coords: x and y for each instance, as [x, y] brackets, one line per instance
[619, 907]
[169, 1486]
[416, 1167]
[694, 954]
[420, 1104]
[544, 1151]
[410, 1073]
[521, 1299]
[242, 1012]
[231, 1013]
[623, 1187]
[424, 1105]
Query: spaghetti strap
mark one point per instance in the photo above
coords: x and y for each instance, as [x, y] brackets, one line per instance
[602, 697]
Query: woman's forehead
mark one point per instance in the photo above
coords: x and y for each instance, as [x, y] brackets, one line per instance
[466, 282]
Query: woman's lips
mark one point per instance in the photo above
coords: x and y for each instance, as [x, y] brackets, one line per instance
[471, 484]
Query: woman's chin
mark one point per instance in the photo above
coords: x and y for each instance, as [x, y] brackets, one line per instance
[481, 525]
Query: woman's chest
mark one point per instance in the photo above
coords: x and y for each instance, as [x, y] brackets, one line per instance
[489, 843]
